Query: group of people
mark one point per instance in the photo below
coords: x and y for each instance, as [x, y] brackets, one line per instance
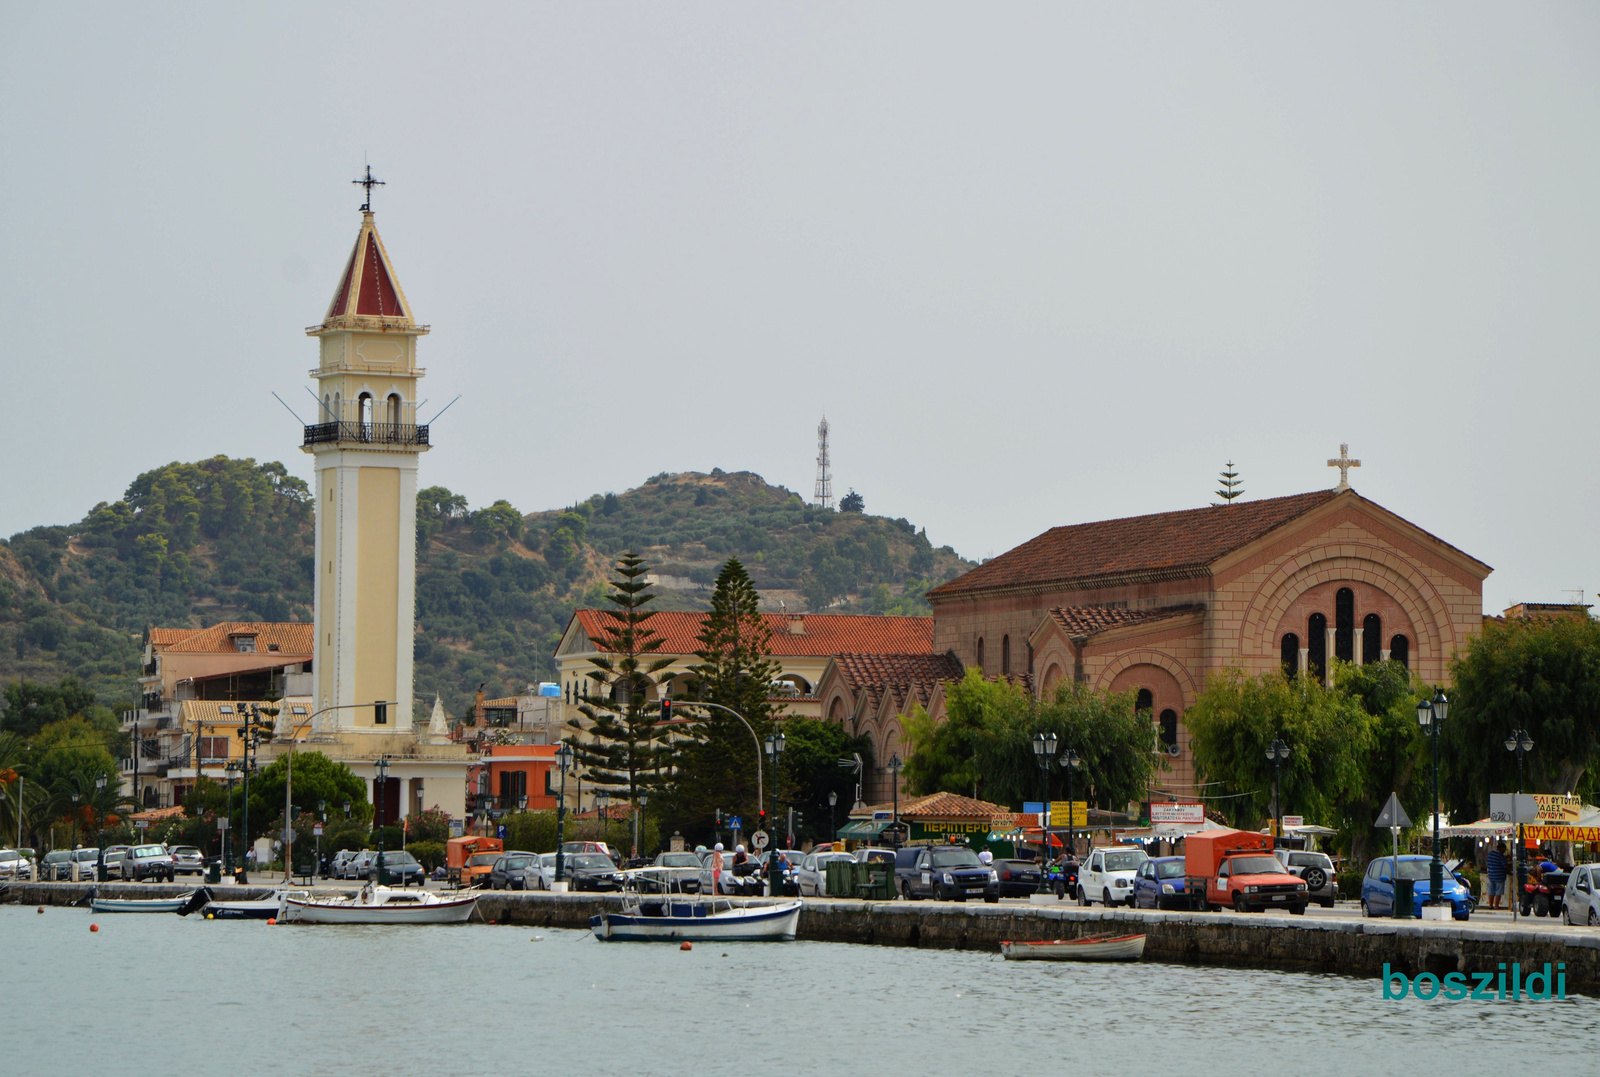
[1497, 868]
[740, 863]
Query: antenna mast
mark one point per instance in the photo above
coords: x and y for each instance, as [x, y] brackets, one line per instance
[823, 497]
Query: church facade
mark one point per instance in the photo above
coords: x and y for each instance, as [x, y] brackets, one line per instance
[1157, 604]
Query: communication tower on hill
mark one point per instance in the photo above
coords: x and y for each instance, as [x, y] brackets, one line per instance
[823, 498]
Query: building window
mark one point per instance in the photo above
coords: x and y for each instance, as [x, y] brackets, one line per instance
[1400, 651]
[1290, 655]
[1145, 701]
[1371, 638]
[1317, 646]
[513, 784]
[1169, 727]
[1005, 655]
[1344, 625]
[380, 714]
[244, 644]
[980, 654]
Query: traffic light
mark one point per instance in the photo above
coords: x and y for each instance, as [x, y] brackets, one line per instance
[666, 710]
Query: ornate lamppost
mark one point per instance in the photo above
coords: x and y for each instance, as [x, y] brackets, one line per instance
[564, 760]
[895, 766]
[227, 857]
[1431, 715]
[833, 816]
[100, 796]
[1277, 752]
[1519, 744]
[1044, 750]
[381, 789]
[775, 745]
[1070, 762]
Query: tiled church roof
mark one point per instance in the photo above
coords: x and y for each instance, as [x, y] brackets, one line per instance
[823, 633]
[1080, 621]
[1179, 542]
[907, 677]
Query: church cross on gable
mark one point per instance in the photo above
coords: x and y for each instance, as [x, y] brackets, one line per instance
[1157, 604]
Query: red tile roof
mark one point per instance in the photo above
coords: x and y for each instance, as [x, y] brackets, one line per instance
[367, 287]
[165, 637]
[1083, 621]
[824, 633]
[293, 638]
[1178, 543]
[864, 670]
[942, 806]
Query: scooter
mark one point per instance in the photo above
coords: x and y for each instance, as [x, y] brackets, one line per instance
[1544, 897]
[1063, 877]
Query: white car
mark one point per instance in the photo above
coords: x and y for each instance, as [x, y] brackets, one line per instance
[1107, 876]
[1582, 902]
[13, 865]
[812, 877]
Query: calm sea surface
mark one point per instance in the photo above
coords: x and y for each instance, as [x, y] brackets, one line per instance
[165, 995]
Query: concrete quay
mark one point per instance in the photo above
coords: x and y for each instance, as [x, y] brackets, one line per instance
[1344, 946]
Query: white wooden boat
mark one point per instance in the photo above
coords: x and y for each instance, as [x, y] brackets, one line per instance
[375, 904]
[673, 918]
[100, 904]
[1088, 948]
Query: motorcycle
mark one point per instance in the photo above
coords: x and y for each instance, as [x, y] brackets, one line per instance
[1062, 876]
[1544, 896]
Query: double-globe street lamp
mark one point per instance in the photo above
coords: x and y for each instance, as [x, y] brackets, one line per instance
[1519, 744]
[381, 790]
[1044, 750]
[1431, 714]
[833, 820]
[776, 742]
[1071, 762]
[895, 767]
[1277, 752]
[564, 760]
[100, 796]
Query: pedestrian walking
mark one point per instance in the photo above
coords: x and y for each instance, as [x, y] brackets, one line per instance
[1497, 867]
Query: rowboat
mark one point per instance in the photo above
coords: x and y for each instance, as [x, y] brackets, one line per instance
[375, 904]
[1088, 948]
[100, 904]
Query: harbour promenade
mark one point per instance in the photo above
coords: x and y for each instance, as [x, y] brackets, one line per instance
[1333, 943]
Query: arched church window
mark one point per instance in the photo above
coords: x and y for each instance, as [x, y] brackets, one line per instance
[1317, 646]
[394, 410]
[1145, 701]
[1290, 652]
[1169, 727]
[1344, 625]
[364, 410]
[1400, 651]
[980, 654]
[1371, 638]
[1005, 655]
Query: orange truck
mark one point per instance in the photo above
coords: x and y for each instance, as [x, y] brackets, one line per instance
[469, 860]
[1236, 868]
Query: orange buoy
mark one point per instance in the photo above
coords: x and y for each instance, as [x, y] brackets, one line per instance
[41, 910]
[271, 920]
[687, 946]
[94, 927]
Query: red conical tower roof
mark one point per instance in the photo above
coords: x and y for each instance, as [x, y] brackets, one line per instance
[369, 288]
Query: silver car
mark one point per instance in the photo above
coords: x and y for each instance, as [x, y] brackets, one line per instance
[83, 865]
[1582, 902]
[1316, 870]
[812, 876]
[13, 865]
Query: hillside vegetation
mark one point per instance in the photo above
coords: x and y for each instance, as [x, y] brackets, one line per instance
[225, 539]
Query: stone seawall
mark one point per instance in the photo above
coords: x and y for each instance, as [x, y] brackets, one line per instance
[1311, 944]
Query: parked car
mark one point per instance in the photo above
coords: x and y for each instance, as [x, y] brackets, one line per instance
[812, 876]
[146, 863]
[84, 863]
[401, 867]
[1158, 884]
[57, 864]
[743, 880]
[187, 860]
[1316, 869]
[593, 871]
[14, 865]
[340, 859]
[1581, 904]
[872, 854]
[518, 871]
[359, 865]
[945, 873]
[1377, 887]
[113, 861]
[571, 848]
[1018, 878]
[790, 860]
[1107, 876]
[682, 870]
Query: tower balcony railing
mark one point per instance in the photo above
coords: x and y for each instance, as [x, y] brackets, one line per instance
[342, 433]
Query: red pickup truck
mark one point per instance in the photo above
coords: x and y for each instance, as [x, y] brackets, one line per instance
[1237, 868]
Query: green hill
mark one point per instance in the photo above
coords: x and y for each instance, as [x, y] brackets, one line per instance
[223, 539]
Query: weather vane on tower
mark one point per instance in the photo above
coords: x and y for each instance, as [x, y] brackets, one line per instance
[369, 183]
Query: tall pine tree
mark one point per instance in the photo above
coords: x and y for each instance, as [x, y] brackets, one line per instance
[716, 763]
[622, 747]
[1232, 484]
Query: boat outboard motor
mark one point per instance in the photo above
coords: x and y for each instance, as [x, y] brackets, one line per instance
[197, 901]
[86, 899]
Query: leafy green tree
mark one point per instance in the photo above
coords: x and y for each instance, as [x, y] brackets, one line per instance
[1387, 692]
[1540, 675]
[1329, 733]
[948, 756]
[30, 706]
[621, 745]
[316, 778]
[715, 761]
[852, 502]
[499, 521]
[812, 750]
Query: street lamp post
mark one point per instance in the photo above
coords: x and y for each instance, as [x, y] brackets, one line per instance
[1044, 750]
[1519, 744]
[1277, 752]
[100, 796]
[227, 858]
[602, 801]
[775, 745]
[895, 766]
[381, 769]
[1431, 715]
[74, 825]
[322, 817]
[644, 799]
[1070, 762]
[833, 816]
[564, 759]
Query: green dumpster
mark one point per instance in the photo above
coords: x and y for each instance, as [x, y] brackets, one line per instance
[841, 879]
[1403, 899]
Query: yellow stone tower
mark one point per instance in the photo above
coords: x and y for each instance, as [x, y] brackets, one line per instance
[366, 442]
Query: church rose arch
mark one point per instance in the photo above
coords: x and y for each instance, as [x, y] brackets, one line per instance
[1151, 669]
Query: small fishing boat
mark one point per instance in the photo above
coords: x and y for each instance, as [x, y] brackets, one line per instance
[1088, 948]
[100, 904]
[667, 916]
[375, 904]
[262, 908]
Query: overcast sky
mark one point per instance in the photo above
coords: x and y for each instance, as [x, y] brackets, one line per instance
[1038, 264]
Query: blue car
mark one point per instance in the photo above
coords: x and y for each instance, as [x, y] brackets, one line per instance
[1159, 884]
[1377, 887]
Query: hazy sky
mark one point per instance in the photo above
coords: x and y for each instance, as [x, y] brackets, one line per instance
[1039, 264]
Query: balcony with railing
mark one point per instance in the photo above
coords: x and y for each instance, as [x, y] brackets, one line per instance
[379, 435]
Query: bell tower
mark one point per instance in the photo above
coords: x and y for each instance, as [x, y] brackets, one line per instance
[366, 442]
